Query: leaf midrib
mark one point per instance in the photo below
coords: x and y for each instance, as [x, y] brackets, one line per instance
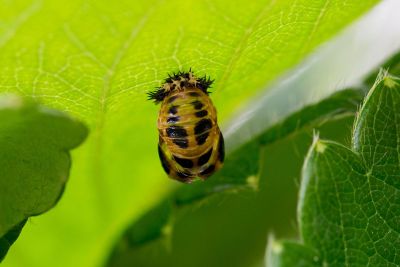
[344, 239]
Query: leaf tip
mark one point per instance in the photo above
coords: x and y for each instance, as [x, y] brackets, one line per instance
[276, 247]
[317, 144]
[252, 181]
[320, 147]
[389, 81]
[167, 229]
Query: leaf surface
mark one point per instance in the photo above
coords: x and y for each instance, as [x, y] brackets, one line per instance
[34, 161]
[349, 198]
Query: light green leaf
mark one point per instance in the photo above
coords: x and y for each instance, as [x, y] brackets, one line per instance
[349, 199]
[34, 162]
[97, 60]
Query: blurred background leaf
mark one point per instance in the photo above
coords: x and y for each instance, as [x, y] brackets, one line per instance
[34, 161]
[97, 59]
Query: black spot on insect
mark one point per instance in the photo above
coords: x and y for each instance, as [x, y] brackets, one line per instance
[164, 162]
[172, 99]
[173, 110]
[201, 130]
[202, 138]
[201, 113]
[197, 104]
[194, 94]
[181, 142]
[176, 132]
[204, 158]
[173, 119]
[202, 126]
[185, 163]
[183, 175]
[208, 171]
[221, 148]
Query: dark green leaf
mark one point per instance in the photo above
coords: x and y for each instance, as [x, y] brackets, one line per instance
[350, 199]
[333, 202]
[34, 161]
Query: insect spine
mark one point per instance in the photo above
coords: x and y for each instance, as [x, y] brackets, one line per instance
[179, 81]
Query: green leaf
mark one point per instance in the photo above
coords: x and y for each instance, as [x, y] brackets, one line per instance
[97, 60]
[350, 198]
[34, 162]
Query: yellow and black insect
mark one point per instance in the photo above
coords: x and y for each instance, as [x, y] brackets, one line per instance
[190, 143]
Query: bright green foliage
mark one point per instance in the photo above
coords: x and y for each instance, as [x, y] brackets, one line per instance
[34, 162]
[97, 59]
[350, 198]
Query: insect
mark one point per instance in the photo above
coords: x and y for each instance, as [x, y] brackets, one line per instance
[190, 145]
